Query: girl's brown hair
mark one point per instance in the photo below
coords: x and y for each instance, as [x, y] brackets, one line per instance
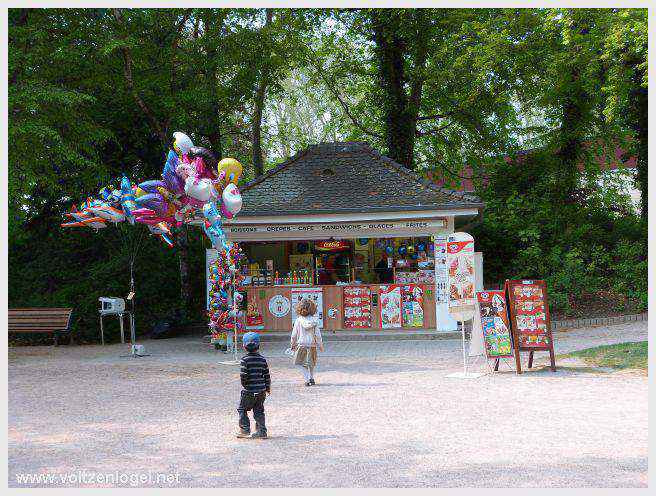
[306, 307]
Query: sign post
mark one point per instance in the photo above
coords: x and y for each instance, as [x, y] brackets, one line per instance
[530, 320]
[461, 287]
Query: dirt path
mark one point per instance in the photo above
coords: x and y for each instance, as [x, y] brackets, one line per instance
[382, 415]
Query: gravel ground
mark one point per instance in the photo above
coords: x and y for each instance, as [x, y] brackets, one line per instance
[383, 414]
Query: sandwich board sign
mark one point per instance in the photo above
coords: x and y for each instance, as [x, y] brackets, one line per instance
[530, 319]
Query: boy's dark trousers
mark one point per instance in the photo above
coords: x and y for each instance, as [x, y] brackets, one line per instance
[255, 402]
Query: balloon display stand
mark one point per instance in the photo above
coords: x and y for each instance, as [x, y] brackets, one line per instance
[136, 350]
[235, 335]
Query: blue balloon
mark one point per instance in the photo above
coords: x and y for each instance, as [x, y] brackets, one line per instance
[389, 250]
[403, 250]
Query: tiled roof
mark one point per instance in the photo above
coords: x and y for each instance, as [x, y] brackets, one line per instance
[345, 177]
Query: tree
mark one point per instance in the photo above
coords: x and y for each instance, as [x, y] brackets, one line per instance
[436, 83]
[625, 51]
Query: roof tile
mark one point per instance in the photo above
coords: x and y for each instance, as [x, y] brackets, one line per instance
[345, 177]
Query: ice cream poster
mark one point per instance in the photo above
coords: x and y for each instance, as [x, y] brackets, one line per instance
[254, 318]
[390, 306]
[357, 307]
[530, 314]
[462, 282]
[413, 302]
[494, 322]
[314, 294]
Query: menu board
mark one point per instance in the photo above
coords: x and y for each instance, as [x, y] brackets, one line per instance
[530, 320]
[357, 307]
[530, 314]
[441, 275]
[413, 305]
[315, 294]
[494, 323]
[390, 306]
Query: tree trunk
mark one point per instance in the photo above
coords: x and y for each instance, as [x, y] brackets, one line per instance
[400, 109]
[260, 95]
[573, 114]
[213, 119]
[640, 124]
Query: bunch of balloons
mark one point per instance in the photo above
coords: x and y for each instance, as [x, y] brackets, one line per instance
[224, 275]
[194, 188]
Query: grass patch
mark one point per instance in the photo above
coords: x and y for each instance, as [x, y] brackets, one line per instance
[616, 356]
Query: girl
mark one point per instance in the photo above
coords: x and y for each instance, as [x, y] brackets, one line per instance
[306, 337]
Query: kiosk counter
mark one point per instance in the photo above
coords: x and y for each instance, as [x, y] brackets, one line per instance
[343, 307]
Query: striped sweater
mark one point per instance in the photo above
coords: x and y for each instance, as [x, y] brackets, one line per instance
[255, 373]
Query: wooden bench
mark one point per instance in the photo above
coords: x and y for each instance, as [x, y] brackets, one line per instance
[41, 320]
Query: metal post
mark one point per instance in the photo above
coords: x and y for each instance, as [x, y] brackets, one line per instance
[234, 309]
[102, 331]
[120, 319]
[464, 352]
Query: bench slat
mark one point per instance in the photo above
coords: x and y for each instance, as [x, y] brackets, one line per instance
[58, 318]
[47, 320]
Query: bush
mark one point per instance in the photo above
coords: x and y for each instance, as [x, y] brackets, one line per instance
[590, 244]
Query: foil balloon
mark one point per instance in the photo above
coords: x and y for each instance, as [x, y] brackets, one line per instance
[174, 183]
[232, 169]
[127, 199]
[105, 211]
[182, 143]
[199, 189]
[204, 162]
[231, 204]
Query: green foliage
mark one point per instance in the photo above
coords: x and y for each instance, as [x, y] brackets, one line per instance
[473, 84]
[590, 245]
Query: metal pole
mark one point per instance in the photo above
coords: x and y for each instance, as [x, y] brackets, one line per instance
[234, 309]
[120, 320]
[464, 353]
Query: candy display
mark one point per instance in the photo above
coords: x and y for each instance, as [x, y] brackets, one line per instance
[224, 302]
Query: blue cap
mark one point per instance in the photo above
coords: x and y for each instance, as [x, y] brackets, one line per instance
[251, 338]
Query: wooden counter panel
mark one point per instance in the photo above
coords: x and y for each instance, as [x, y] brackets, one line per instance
[429, 306]
[271, 321]
[332, 298]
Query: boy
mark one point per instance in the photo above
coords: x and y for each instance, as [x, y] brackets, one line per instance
[256, 382]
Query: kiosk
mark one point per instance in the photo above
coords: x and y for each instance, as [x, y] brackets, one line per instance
[362, 235]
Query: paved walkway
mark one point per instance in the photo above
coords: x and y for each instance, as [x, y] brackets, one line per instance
[383, 414]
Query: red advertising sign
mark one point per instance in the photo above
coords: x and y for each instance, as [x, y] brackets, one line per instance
[332, 245]
[530, 319]
[357, 307]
